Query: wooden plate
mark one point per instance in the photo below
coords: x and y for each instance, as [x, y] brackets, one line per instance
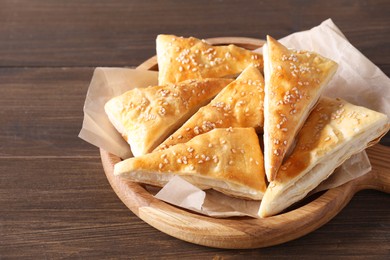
[244, 232]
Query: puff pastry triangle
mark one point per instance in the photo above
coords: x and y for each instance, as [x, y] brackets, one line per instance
[334, 131]
[294, 80]
[220, 159]
[181, 58]
[146, 116]
[240, 104]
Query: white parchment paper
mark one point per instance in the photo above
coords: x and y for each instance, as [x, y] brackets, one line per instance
[357, 80]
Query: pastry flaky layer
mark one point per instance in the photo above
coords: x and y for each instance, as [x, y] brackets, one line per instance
[294, 80]
[226, 159]
[334, 131]
[181, 58]
[239, 104]
[146, 116]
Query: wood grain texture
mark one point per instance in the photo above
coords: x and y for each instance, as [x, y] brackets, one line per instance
[41, 111]
[122, 33]
[243, 233]
[55, 201]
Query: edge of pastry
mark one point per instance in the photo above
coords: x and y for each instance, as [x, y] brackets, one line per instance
[203, 126]
[334, 131]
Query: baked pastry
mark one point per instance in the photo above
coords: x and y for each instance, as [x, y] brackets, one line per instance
[294, 80]
[240, 104]
[147, 116]
[220, 159]
[181, 58]
[333, 132]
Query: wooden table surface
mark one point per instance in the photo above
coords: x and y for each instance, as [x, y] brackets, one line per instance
[55, 201]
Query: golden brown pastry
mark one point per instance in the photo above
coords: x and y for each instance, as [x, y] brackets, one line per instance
[240, 104]
[294, 80]
[334, 131]
[146, 116]
[181, 58]
[220, 159]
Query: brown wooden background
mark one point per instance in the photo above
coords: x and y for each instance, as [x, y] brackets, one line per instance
[55, 201]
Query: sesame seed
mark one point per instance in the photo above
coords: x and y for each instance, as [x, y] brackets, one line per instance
[190, 149]
[283, 168]
[166, 161]
[180, 137]
[180, 68]
[200, 161]
[327, 139]
[284, 129]
[191, 167]
[210, 145]
[230, 162]
[215, 159]
[160, 166]
[233, 150]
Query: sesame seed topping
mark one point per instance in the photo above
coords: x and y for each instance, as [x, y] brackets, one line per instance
[160, 166]
[327, 139]
[230, 162]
